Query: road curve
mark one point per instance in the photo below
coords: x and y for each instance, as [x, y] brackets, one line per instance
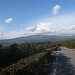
[64, 63]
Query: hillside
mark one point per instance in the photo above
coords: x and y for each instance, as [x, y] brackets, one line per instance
[36, 38]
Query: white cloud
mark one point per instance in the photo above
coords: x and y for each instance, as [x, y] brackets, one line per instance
[9, 20]
[55, 10]
[46, 28]
[72, 27]
[40, 28]
[32, 28]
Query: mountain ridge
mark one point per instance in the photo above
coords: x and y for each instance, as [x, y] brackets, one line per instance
[36, 38]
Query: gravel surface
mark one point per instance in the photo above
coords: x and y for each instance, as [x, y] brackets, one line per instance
[64, 63]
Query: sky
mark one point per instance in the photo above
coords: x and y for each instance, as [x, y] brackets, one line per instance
[19, 18]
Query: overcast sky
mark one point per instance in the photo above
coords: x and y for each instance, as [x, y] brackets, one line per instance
[20, 18]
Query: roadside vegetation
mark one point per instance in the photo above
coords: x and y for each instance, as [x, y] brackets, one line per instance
[27, 58]
[67, 43]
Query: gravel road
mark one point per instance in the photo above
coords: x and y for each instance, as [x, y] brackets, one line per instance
[64, 63]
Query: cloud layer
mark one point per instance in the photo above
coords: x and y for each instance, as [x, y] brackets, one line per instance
[9, 20]
[45, 28]
[56, 9]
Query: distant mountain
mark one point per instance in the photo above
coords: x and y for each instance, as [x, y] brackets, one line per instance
[36, 38]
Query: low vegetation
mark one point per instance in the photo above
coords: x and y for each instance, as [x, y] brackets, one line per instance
[27, 58]
[69, 44]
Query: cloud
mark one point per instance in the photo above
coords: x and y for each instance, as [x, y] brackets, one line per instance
[55, 10]
[72, 27]
[32, 28]
[9, 20]
[44, 27]
[40, 28]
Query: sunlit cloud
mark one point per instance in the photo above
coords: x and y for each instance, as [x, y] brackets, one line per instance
[9, 20]
[72, 27]
[56, 9]
[46, 28]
